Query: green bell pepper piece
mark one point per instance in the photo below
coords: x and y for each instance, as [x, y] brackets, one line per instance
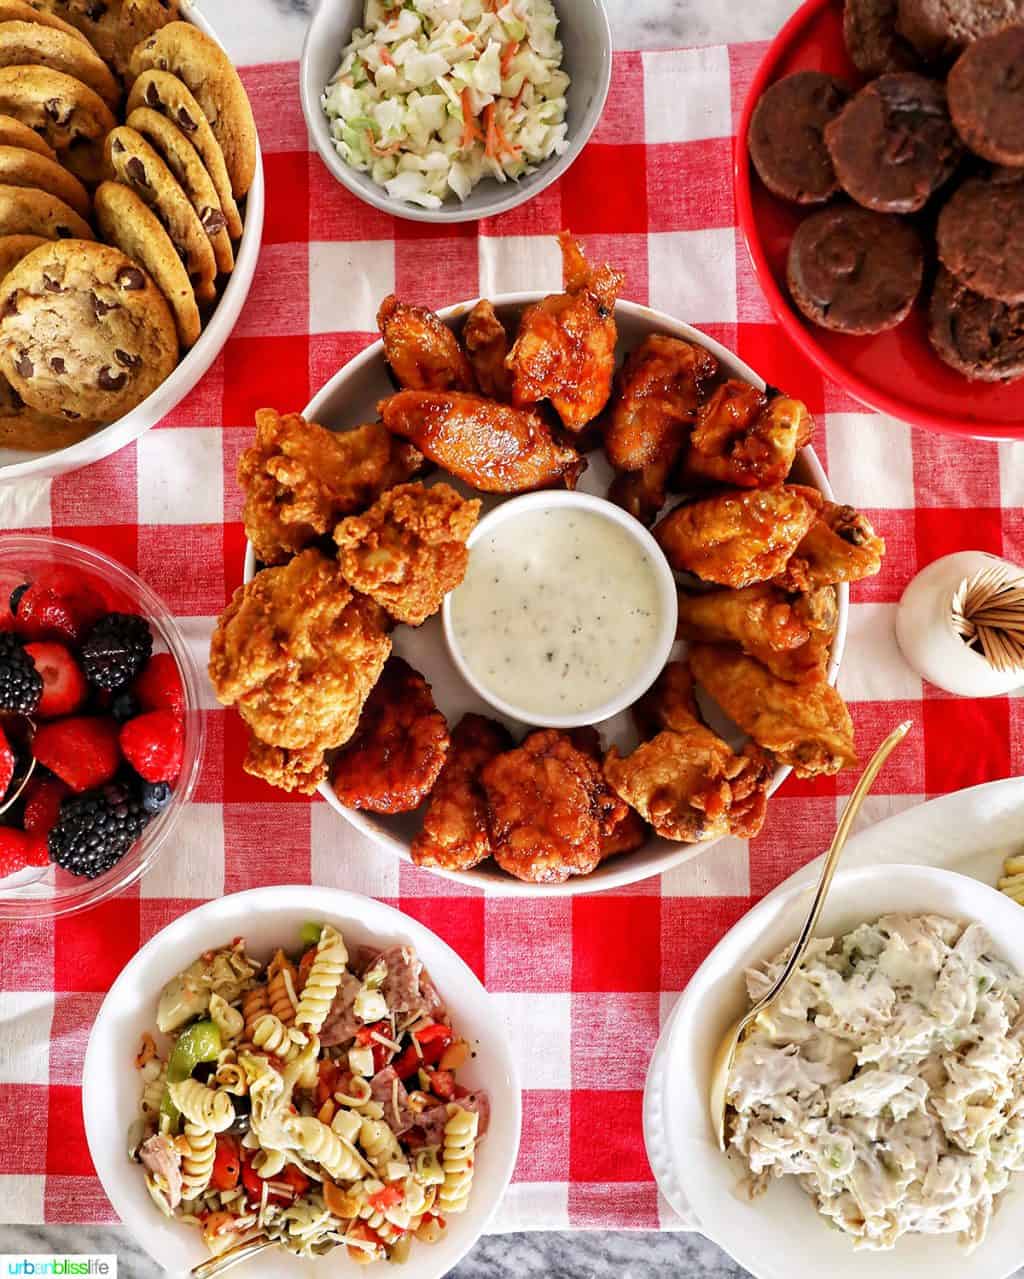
[198, 1043]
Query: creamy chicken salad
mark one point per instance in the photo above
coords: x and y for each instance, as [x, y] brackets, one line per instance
[889, 1080]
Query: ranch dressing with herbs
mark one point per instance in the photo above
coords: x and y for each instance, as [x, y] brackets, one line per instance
[558, 611]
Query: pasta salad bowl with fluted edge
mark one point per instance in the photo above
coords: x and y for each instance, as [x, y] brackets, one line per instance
[268, 918]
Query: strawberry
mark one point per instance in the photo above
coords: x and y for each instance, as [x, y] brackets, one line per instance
[64, 686]
[43, 796]
[82, 750]
[154, 745]
[19, 849]
[58, 605]
[6, 763]
[159, 686]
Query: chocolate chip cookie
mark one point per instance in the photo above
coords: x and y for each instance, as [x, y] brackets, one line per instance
[872, 41]
[979, 337]
[979, 238]
[15, 247]
[67, 113]
[21, 168]
[940, 29]
[855, 271]
[25, 429]
[15, 134]
[26, 211]
[137, 165]
[986, 96]
[25, 44]
[84, 330]
[113, 27]
[786, 141]
[208, 72]
[183, 160]
[893, 144]
[22, 11]
[123, 219]
[165, 93]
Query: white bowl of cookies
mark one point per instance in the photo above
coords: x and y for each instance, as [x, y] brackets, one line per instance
[131, 212]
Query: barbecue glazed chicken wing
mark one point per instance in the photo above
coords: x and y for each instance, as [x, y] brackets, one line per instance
[805, 725]
[486, 344]
[840, 546]
[455, 833]
[747, 438]
[300, 479]
[686, 781]
[565, 349]
[738, 538]
[492, 447]
[422, 352]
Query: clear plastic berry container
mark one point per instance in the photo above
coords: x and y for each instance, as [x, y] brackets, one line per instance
[46, 892]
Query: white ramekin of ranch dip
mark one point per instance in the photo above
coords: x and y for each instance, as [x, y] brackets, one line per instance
[567, 613]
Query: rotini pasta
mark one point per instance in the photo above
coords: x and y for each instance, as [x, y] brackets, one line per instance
[270, 1034]
[323, 981]
[281, 989]
[229, 1076]
[255, 1003]
[380, 1144]
[321, 1144]
[457, 1158]
[202, 1106]
[229, 1021]
[197, 1162]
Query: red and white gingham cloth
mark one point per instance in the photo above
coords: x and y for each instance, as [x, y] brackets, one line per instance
[584, 983]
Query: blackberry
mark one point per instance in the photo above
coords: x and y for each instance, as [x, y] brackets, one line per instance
[125, 706]
[21, 685]
[156, 796]
[16, 595]
[95, 830]
[116, 649]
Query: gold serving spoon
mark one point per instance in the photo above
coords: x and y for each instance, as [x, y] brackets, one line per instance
[726, 1054]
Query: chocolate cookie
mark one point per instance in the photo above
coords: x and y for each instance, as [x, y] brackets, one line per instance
[940, 29]
[31, 44]
[855, 271]
[786, 139]
[84, 332]
[167, 94]
[183, 160]
[893, 144]
[25, 211]
[25, 429]
[137, 165]
[15, 134]
[986, 96]
[124, 220]
[21, 168]
[979, 238]
[872, 41]
[979, 337]
[15, 247]
[206, 69]
[67, 113]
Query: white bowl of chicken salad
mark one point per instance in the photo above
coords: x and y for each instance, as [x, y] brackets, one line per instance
[306, 1066]
[453, 110]
[876, 1122]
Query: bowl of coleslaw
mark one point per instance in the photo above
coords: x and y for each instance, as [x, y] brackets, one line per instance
[453, 110]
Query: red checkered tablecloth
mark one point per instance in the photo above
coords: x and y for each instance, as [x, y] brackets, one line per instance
[585, 982]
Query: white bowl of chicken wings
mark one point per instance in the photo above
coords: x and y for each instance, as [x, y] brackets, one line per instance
[358, 513]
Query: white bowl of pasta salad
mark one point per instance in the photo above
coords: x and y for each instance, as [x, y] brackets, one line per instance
[309, 1068]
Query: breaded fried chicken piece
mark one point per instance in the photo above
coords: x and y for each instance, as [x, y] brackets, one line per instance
[805, 725]
[747, 437]
[300, 479]
[840, 546]
[486, 343]
[548, 807]
[423, 353]
[492, 447]
[623, 832]
[409, 549]
[565, 349]
[301, 770]
[297, 652]
[739, 538]
[455, 833]
[399, 748]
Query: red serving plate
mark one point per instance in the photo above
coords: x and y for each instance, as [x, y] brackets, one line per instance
[895, 372]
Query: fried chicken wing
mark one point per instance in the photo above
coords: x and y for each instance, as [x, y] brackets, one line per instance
[397, 752]
[565, 348]
[455, 833]
[737, 539]
[301, 770]
[840, 546]
[623, 833]
[747, 437]
[642, 493]
[409, 549]
[297, 652]
[548, 807]
[671, 702]
[486, 344]
[764, 621]
[491, 446]
[422, 352]
[300, 479]
[804, 725]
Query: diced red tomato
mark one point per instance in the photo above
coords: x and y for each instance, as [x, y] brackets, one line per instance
[295, 1178]
[327, 1081]
[227, 1164]
[442, 1084]
[433, 1040]
[387, 1198]
[381, 1053]
[305, 964]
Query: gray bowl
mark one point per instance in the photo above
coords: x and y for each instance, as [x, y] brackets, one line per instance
[587, 40]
